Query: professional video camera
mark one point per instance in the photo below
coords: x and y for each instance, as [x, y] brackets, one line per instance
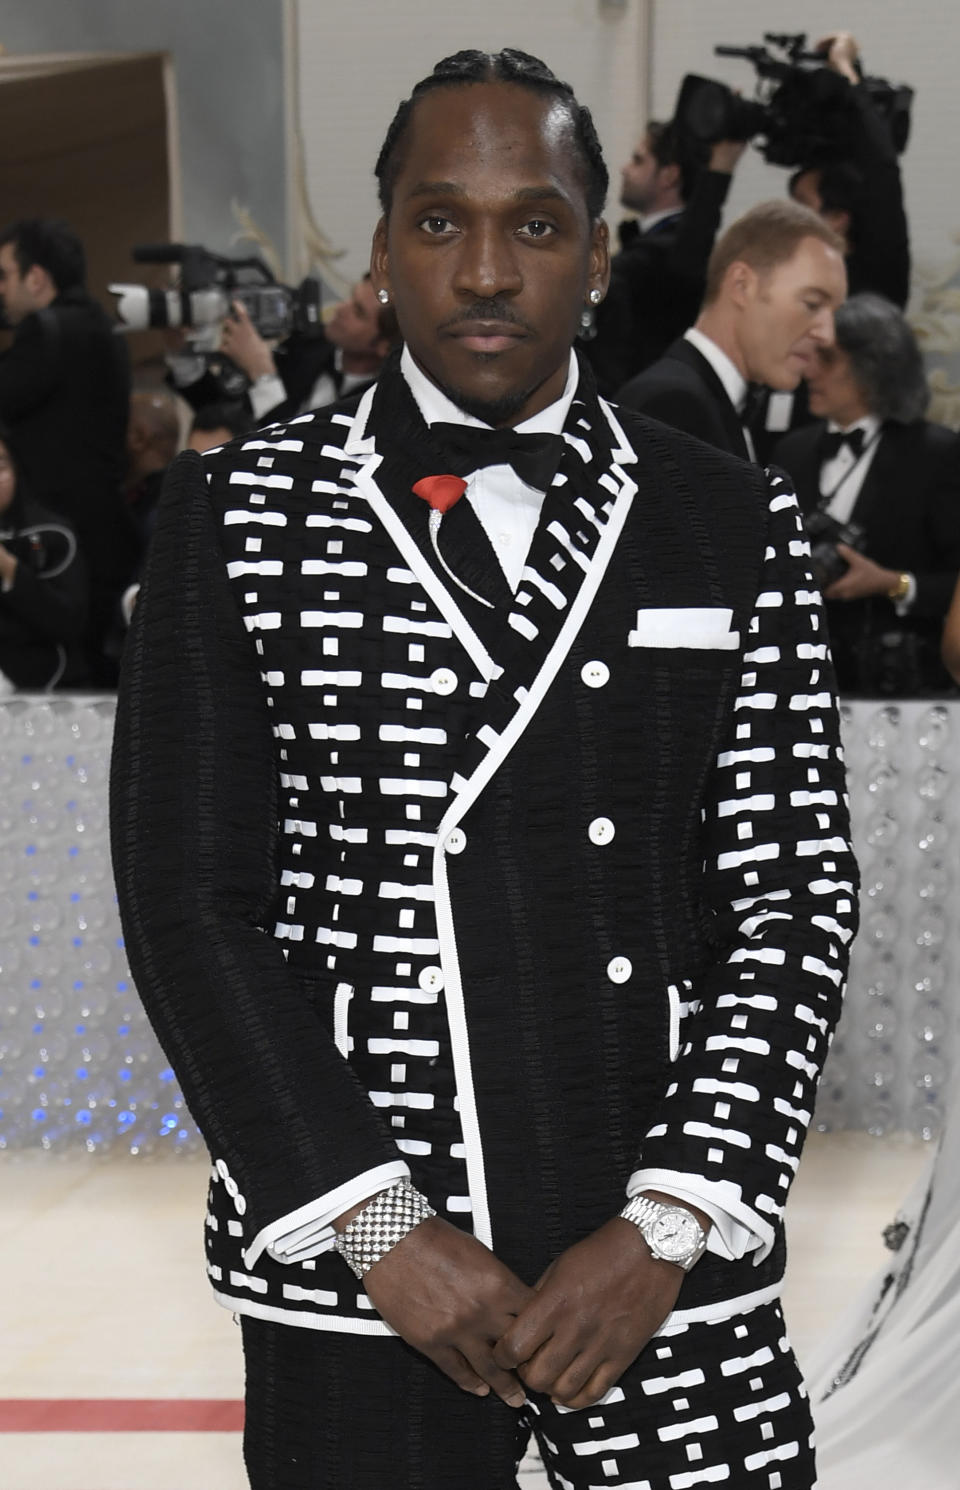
[209, 283]
[802, 108]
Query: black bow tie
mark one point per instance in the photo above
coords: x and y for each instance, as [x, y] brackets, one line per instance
[832, 444]
[535, 457]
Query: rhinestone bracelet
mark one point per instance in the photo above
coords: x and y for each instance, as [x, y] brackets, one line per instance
[381, 1224]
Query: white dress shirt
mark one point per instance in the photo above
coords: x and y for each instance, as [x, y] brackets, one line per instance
[734, 383]
[268, 390]
[508, 510]
[842, 478]
[648, 220]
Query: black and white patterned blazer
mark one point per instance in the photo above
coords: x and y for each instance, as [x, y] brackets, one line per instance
[520, 900]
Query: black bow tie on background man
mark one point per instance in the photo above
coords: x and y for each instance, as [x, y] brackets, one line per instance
[832, 444]
[534, 457]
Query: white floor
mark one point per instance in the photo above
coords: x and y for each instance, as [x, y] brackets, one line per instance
[111, 1303]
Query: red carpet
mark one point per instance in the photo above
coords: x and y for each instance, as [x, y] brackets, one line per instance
[119, 1415]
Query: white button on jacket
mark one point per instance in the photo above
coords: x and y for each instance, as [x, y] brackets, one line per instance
[601, 830]
[431, 979]
[619, 969]
[443, 681]
[595, 674]
[455, 841]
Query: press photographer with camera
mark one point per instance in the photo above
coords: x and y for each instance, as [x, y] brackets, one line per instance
[298, 375]
[64, 396]
[657, 278]
[236, 333]
[43, 588]
[307, 367]
[879, 487]
[840, 132]
[859, 190]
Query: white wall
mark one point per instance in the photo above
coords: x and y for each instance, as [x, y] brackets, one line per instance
[228, 69]
[916, 43]
[357, 61]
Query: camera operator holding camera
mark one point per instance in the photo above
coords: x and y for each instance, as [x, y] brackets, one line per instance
[657, 279]
[44, 594]
[301, 372]
[860, 193]
[64, 397]
[879, 487]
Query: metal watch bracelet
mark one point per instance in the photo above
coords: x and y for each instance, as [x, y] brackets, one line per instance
[382, 1223]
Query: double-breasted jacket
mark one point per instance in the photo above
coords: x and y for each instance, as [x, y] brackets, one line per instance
[526, 900]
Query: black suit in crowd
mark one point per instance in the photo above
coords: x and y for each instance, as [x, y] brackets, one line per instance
[656, 286]
[65, 397]
[42, 615]
[683, 390]
[909, 510]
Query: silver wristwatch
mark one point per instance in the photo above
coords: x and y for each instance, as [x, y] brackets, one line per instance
[672, 1233]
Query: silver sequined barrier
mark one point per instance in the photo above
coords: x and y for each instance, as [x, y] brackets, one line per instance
[81, 1069]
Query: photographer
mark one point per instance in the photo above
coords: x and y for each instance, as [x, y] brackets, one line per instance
[860, 194]
[64, 395]
[879, 475]
[302, 372]
[43, 588]
[657, 279]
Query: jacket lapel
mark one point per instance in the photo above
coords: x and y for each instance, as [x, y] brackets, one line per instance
[520, 644]
[413, 544]
[881, 477]
[685, 351]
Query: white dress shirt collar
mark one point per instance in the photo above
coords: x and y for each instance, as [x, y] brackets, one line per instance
[734, 383]
[870, 425]
[648, 220]
[435, 406]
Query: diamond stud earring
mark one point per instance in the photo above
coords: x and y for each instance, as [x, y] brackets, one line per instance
[383, 296]
[595, 297]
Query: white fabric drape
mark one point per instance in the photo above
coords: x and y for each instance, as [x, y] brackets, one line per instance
[894, 1419]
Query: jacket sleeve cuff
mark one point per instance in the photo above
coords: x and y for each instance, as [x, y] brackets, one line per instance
[308, 1231]
[736, 1229]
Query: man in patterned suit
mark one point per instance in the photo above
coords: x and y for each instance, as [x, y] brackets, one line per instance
[481, 847]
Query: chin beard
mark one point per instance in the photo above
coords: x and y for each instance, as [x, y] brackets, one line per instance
[495, 411]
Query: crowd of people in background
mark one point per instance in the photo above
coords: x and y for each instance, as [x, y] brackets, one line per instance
[803, 358]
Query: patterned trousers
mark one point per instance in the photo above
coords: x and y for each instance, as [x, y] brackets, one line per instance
[704, 1404]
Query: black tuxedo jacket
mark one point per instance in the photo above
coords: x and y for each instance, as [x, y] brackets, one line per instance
[656, 286]
[65, 397]
[682, 389]
[909, 510]
[523, 900]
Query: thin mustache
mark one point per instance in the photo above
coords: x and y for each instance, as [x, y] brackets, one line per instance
[486, 310]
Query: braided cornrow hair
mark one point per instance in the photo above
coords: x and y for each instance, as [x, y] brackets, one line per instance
[508, 66]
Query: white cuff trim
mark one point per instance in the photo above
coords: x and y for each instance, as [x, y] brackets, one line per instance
[308, 1231]
[736, 1229]
[265, 393]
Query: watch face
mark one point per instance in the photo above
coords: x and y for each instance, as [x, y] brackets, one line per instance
[675, 1234]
